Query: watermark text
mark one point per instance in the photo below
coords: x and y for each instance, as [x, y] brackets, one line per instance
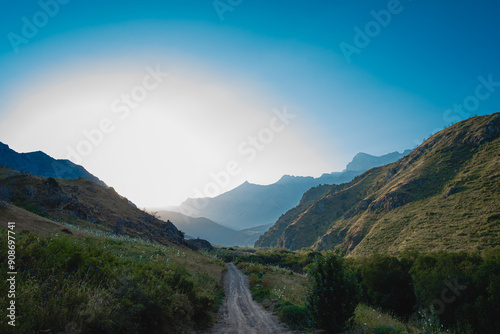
[11, 273]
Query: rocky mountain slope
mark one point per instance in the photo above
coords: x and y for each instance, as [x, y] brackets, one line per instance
[37, 202]
[39, 163]
[443, 195]
[251, 205]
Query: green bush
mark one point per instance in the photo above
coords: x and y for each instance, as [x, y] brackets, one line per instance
[334, 293]
[386, 283]
[442, 283]
[296, 317]
[458, 290]
[487, 294]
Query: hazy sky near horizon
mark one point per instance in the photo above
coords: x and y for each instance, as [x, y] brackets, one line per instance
[165, 100]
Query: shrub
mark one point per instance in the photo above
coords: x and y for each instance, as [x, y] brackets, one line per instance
[334, 293]
[253, 279]
[266, 282]
[296, 317]
[387, 284]
[443, 281]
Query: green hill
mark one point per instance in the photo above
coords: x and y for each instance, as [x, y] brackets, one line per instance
[445, 195]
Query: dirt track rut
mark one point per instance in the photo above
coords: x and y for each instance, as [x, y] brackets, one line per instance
[239, 313]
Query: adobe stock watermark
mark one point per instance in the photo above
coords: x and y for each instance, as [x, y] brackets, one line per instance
[31, 26]
[122, 107]
[223, 6]
[11, 273]
[438, 305]
[248, 150]
[483, 91]
[373, 28]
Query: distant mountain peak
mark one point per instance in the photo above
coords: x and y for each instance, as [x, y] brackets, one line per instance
[286, 178]
[41, 164]
[364, 161]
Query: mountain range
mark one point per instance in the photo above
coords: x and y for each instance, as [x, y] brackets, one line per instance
[250, 205]
[444, 195]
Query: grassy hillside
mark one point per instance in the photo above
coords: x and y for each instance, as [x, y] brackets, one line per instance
[275, 234]
[445, 195]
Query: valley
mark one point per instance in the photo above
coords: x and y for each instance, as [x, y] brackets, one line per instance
[240, 216]
[397, 234]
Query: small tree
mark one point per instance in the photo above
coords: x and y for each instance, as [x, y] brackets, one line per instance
[333, 295]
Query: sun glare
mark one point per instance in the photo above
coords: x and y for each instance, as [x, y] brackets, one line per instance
[146, 120]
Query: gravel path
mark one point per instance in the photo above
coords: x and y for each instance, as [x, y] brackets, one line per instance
[239, 313]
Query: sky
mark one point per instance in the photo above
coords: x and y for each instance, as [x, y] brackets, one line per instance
[165, 100]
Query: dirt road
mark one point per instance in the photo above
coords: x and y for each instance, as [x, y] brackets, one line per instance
[239, 314]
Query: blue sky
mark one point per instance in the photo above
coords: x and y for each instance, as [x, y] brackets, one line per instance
[227, 76]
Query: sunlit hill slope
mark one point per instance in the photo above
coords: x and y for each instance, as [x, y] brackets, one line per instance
[443, 195]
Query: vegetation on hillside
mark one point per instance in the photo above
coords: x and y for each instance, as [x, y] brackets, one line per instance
[444, 195]
[111, 285]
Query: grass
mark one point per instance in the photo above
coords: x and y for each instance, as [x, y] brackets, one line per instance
[370, 320]
[281, 291]
[112, 285]
[90, 262]
[283, 284]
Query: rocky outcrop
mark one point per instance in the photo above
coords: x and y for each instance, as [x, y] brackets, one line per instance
[198, 244]
[391, 201]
